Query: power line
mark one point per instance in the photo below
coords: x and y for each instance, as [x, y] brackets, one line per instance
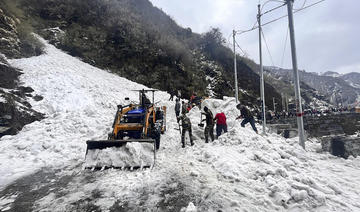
[283, 54]
[274, 20]
[240, 48]
[273, 9]
[267, 47]
[310, 5]
[303, 4]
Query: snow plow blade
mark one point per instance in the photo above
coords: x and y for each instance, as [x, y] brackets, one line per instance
[128, 154]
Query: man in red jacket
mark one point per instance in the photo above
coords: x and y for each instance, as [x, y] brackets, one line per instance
[220, 124]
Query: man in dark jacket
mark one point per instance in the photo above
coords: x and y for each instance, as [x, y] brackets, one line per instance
[209, 128]
[186, 126]
[177, 108]
[183, 107]
[248, 117]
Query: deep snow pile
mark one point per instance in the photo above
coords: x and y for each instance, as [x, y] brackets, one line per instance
[130, 155]
[240, 171]
[79, 102]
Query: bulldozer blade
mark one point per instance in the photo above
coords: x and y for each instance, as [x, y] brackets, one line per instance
[127, 168]
[103, 144]
[131, 154]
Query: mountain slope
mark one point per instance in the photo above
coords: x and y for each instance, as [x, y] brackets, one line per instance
[352, 78]
[335, 89]
[240, 170]
[140, 42]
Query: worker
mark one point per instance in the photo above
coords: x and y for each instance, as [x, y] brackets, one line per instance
[220, 123]
[209, 128]
[189, 106]
[247, 115]
[192, 98]
[186, 126]
[177, 107]
[183, 107]
[172, 94]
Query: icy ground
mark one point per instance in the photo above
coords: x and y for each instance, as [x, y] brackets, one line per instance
[41, 167]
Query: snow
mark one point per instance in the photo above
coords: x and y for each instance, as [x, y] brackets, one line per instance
[239, 171]
[130, 155]
[2, 99]
[79, 102]
[5, 202]
[190, 208]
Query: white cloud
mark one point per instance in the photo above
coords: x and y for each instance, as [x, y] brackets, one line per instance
[348, 68]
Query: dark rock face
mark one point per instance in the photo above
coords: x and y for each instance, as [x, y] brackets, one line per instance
[9, 42]
[317, 126]
[341, 146]
[15, 111]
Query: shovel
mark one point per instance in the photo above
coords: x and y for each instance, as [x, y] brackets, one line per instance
[201, 124]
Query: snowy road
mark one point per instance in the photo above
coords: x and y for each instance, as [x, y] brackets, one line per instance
[41, 167]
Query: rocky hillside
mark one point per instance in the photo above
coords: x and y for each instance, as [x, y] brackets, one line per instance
[332, 85]
[284, 85]
[140, 42]
[352, 78]
[15, 111]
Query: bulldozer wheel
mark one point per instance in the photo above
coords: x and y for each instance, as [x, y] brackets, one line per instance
[110, 136]
[119, 135]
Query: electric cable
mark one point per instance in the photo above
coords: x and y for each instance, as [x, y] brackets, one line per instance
[267, 47]
[283, 54]
[303, 5]
[273, 9]
[274, 20]
[244, 53]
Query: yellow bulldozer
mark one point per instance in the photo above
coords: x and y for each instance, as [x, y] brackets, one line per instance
[135, 137]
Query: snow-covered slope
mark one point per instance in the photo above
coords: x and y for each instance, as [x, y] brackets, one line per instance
[240, 171]
[79, 102]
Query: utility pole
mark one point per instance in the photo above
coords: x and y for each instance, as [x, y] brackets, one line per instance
[299, 112]
[261, 73]
[274, 103]
[236, 81]
[341, 98]
[287, 103]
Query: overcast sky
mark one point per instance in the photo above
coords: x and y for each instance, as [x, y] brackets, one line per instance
[327, 34]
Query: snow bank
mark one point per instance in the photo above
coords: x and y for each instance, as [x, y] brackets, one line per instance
[239, 171]
[2, 99]
[79, 102]
[130, 155]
